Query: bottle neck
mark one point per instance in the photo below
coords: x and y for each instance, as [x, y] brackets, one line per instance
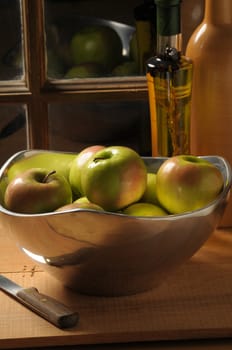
[168, 27]
[172, 41]
[218, 11]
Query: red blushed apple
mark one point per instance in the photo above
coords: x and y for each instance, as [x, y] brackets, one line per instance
[78, 164]
[185, 183]
[114, 178]
[37, 191]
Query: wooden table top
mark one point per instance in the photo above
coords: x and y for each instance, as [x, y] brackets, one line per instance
[205, 344]
[192, 309]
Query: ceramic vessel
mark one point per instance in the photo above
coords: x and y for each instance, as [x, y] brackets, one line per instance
[211, 118]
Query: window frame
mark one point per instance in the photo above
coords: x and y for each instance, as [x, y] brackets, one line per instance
[36, 91]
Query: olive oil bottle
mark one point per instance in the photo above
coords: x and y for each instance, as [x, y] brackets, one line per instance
[169, 78]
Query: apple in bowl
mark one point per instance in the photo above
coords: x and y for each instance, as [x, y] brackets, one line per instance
[114, 177]
[144, 209]
[186, 183]
[37, 190]
[78, 164]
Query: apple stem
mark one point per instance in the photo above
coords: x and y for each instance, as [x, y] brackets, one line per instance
[97, 159]
[49, 174]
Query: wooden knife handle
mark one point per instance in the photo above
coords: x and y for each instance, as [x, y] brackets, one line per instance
[48, 308]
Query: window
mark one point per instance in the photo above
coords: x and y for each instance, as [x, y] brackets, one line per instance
[44, 103]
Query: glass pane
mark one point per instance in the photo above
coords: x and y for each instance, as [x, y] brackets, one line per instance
[73, 127]
[78, 47]
[13, 130]
[89, 38]
[11, 54]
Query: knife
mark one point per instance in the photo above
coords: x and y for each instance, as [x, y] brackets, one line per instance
[45, 306]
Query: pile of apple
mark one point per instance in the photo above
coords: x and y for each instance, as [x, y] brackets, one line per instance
[114, 179]
[97, 50]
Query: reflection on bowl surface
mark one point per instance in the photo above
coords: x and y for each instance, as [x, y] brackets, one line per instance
[111, 254]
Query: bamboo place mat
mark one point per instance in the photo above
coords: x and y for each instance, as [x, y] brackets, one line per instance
[195, 302]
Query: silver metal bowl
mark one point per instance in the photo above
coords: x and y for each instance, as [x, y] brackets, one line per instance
[111, 254]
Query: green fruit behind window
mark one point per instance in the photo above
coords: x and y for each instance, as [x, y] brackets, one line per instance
[100, 44]
[85, 70]
[125, 68]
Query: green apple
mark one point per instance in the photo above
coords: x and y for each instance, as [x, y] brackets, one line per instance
[125, 69]
[85, 70]
[37, 190]
[59, 161]
[114, 178]
[185, 183]
[3, 186]
[150, 195]
[82, 200]
[78, 164]
[83, 205]
[144, 209]
[99, 44]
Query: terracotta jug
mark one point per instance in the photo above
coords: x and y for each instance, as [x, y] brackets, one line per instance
[210, 48]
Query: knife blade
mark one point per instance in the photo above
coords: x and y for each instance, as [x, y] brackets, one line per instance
[45, 306]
